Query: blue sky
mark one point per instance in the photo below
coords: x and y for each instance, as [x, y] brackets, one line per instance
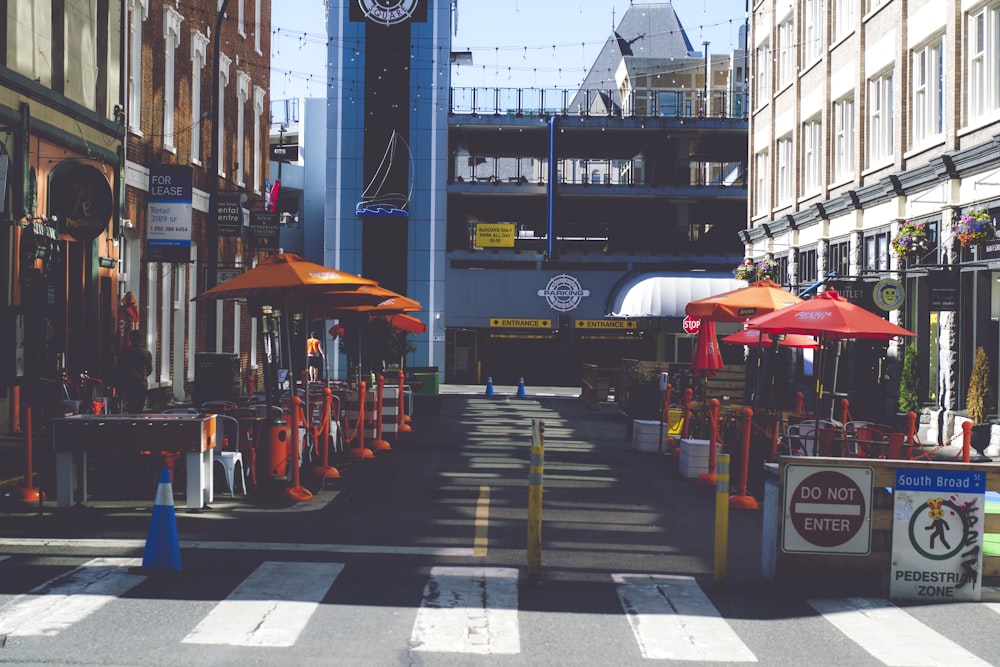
[514, 42]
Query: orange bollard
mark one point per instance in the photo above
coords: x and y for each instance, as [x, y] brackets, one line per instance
[966, 440]
[845, 415]
[404, 419]
[26, 490]
[709, 477]
[296, 491]
[361, 452]
[379, 444]
[688, 396]
[800, 403]
[741, 500]
[325, 470]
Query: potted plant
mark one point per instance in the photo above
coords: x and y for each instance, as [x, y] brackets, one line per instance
[745, 270]
[975, 227]
[911, 240]
[976, 401]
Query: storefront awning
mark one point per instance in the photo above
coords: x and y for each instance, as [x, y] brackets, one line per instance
[665, 295]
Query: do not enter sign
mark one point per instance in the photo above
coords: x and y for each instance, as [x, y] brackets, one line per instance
[827, 510]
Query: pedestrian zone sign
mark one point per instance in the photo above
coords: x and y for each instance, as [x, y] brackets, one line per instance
[827, 510]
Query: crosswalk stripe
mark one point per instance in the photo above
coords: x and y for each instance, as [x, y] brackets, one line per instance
[673, 619]
[60, 602]
[892, 635]
[270, 607]
[468, 610]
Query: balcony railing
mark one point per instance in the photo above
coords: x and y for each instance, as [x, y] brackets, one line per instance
[645, 103]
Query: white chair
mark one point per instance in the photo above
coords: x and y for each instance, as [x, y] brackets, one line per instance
[230, 459]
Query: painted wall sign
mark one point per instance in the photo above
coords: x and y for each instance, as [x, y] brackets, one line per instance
[563, 293]
[168, 227]
[495, 235]
[227, 211]
[514, 323]
[937, 535]
[606, 324]
[827, 510]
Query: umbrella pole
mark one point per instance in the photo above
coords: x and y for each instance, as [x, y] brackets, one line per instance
[833, 385]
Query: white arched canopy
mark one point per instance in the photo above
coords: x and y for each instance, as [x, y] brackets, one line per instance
[665, 295]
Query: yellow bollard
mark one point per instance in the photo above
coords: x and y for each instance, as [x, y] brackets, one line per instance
[536, 473]
[721, 516]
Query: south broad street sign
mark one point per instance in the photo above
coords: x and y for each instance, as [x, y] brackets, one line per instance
[827, 510]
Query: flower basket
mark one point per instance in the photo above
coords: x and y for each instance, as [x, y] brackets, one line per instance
[767, 269]
[745, 270]
[764, 269]
[911, 240]
[975, 227]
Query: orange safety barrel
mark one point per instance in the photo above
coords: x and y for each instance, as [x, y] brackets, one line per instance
[274, 441]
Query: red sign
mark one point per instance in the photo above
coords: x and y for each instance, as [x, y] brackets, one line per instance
[691, 325]
[827, 508]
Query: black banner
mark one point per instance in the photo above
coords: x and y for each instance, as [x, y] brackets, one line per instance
[228, 215]
[943, 289]
[263, 230]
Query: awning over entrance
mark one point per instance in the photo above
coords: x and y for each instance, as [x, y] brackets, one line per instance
[664, 295]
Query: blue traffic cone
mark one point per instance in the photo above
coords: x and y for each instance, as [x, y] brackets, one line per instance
[163, 551]
[489, 386]
[520, 388]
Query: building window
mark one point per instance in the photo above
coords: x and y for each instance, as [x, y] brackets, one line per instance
[876, 251]
[199, 49]
[785, 171]
[762, 202]
[845, 13]
[812, 155]
[258, 112]
[241, 18]
[786, 52]
[172, 39]
[839, 258]
[928, 92]
[256, 25]
[139, 12]
[782, 270]
[843, 139]
[762, 74]
[983, 43]
[807, 267]
[242, 96]
[813, 28]
[879, 119]
[872, 5]
[220, 122]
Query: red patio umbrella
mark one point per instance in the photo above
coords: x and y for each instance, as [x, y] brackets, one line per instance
[707, 357]
[406, 323]
[755, 338]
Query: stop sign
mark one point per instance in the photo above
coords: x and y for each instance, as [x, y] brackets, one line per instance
[827, 510]
[691, 325]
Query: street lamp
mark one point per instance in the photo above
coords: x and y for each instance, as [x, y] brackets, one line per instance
[212, 231]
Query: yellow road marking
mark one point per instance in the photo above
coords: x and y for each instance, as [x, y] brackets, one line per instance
[482, 523]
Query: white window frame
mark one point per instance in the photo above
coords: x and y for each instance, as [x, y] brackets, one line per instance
[224, 63]
[784, 171]
[258, 114]
[762, 186]
[762, 74]
[241, 19]
[242, 96]
[928, 92]
[256, 26]
[880, 120]
[813, 27]
[138, 13]
[786, 53]
[983, 47]
[843, 139]
[845, 15]
[199, 54]
[172, 40]
[812, 155]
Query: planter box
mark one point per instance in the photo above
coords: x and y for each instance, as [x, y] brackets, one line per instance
[693, 460]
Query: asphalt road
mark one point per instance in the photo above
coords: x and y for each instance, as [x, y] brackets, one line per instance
[419, 557]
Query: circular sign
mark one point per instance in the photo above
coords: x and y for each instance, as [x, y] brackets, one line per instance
[563, 293]
[388, 12]
[828, 508]
[691, 325]
[888, 294]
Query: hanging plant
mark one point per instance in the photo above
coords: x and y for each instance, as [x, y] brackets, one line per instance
[975, 227]
[745, 270]
[912, 239]
[767, 269]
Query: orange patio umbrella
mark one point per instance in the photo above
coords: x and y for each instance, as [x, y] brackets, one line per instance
[407, 323]
[764, 296]
[755, 338]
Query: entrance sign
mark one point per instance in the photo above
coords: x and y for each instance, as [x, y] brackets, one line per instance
[691, 325]
[827, 510]
[514, 323]
[937, 535]
[606, 324]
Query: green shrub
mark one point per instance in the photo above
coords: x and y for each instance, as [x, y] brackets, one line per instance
[909, 399]
[977, 399]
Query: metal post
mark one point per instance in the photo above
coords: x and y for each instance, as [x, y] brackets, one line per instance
[535, 477]
[212, 232]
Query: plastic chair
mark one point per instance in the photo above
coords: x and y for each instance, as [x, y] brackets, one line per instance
[93, 394]
[217, 406]
[230, 458]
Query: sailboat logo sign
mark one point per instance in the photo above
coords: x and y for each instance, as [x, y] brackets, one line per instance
[383, 194]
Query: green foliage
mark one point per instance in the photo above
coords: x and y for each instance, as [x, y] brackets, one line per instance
[978, 397]
[909, 400]
[381, 343]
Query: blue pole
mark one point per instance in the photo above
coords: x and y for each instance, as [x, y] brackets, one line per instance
[552, 187]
